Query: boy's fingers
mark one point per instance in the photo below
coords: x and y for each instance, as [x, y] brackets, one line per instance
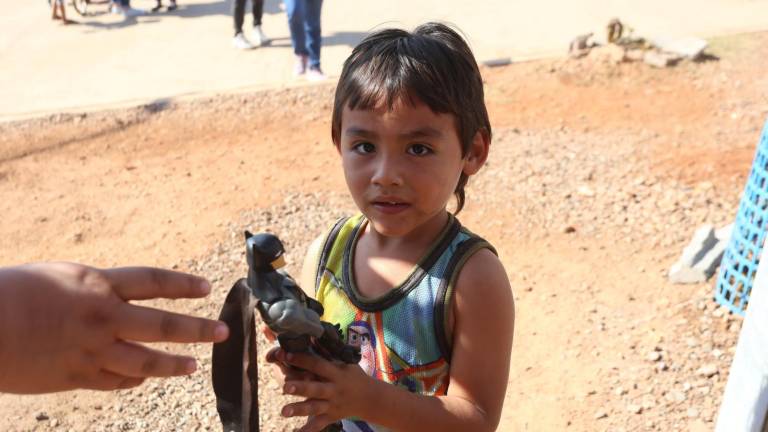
[273, 355]
[305, 408]
[310, 363]
[268, 333]
[140, 283]
[308, 389]
[133, 360]
[144, 324]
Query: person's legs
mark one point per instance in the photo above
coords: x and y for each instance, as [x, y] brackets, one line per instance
[63, 10]
[238, 15]
[312, 29]
[258, 11]
[258, 34]
[295, 11]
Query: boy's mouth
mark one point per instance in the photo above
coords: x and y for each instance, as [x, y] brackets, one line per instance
[390, 206]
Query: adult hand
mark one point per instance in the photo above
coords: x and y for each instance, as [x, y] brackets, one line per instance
[65, 326]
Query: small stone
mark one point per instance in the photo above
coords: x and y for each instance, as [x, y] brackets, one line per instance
[654, 356]
[658, 59]
[585, 191]
[600, 414]
[661, 366]
[54, 423]
[635, 409]
[677, 396]
[41, 416]
[708, 370]
[692, 413]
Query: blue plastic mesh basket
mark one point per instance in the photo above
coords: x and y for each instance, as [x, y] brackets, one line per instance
[740, 260]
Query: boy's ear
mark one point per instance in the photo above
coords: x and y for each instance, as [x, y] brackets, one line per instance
[478, 152]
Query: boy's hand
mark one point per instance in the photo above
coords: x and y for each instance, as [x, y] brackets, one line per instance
[340, 391]
[277, 356]
[65, 326]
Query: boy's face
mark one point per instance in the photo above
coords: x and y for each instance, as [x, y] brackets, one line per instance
[401, 166]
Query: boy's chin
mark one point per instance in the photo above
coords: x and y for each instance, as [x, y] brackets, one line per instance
[390, 228]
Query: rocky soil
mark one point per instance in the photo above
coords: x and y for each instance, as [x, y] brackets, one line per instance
[598, 176]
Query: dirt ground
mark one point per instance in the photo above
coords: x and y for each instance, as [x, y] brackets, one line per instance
[598, 176]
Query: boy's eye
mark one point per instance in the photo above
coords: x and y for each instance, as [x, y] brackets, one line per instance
[364, 147]
[419, 150]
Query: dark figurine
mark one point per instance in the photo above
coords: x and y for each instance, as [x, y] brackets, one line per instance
[289, 313]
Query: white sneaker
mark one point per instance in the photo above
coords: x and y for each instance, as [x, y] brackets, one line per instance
[301, 65]
[240, 42]
[258, 37]
[131, 12]
[315, 74]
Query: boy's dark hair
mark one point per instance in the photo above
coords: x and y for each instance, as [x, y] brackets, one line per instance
[432, 64]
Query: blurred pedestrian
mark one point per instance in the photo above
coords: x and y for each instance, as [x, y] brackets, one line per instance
[123, 7]
[59, 11]
[258, 38]
[171, 7]
[304, 24]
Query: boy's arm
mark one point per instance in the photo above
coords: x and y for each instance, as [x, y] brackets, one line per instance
[309, 267]
[482, 344]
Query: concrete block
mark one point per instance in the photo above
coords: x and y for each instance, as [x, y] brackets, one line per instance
[700, 258]
[688, 47]
[660, 59]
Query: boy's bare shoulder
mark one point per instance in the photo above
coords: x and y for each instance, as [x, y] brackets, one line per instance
[483, 273]
[309, 267]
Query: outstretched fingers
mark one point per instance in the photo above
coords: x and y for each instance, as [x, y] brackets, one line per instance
[134, 360]
[140, 283]
[144, 324]
[105, 380]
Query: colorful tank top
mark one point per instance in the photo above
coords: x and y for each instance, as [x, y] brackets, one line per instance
[405, 335]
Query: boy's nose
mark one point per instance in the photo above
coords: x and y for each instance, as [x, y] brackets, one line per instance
[387, 173]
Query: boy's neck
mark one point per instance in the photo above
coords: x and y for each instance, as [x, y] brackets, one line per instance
[384, 262]
[418, 239]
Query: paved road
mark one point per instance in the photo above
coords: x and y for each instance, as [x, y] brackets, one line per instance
[104, 61]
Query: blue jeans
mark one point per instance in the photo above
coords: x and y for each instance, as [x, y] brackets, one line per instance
[304, 23]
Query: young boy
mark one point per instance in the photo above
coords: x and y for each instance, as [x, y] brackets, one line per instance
[427, 301]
